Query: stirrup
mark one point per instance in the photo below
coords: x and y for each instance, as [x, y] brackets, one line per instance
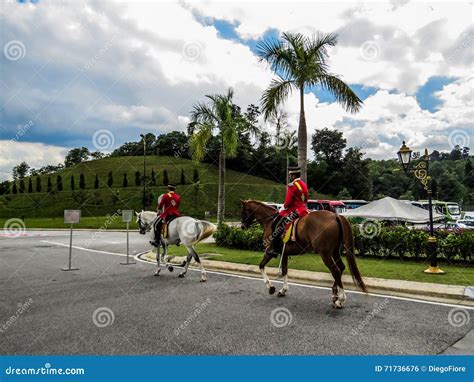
[154, 244]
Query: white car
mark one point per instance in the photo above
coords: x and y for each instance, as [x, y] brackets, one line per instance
[468, 215]
[465, 224]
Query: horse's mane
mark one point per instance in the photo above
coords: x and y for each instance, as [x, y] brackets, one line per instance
[263, 204]
[149, 215]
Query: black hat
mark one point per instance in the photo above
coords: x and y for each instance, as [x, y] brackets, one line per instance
[172, 186]
[294, 170]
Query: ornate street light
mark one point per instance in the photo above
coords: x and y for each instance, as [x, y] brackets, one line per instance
[421, 173]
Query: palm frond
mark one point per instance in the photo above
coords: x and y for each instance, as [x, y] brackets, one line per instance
[275, 95]
[342, 92]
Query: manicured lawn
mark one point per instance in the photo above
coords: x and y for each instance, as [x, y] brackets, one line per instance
[389, 269]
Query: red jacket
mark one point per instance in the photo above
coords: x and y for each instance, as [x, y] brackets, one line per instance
[170, 201]
[296, 198]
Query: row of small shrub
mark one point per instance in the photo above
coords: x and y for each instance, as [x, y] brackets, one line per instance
[389, 242]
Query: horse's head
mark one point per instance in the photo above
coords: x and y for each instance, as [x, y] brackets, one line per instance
[253, 210]
[247, 215]
[143, 226]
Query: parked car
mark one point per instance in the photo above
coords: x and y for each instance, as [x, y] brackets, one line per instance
[351, 204]
[328, 205]
[468, 215]
[465, 224]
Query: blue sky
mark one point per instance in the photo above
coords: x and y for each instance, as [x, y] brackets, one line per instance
[75, 68]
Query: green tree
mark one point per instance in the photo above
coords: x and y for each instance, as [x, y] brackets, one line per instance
[59, 183]
[183, 177]
[96, 181]
[14, 189]
[72, 182]
[38, 184]
[328, 145]
[110, 179]
[76, 156]
[82, 181]
[356, 174]
[20, 171]
[468, 175]
[219, 115]
[301, 62]
[138, 178]
[30, 186]
[195, 175]
[22, 185]
[125, 180]
[49, 186]
[166, 181]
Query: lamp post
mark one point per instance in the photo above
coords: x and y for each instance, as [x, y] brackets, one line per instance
[144, 171]
[422, 173]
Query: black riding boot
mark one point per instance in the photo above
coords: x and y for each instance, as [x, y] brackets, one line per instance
[157, 230]
[276, 246]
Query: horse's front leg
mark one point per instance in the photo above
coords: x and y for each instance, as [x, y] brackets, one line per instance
[188, 260]
[158, 267]
[166, 258]
[284, 265]
[266, 259]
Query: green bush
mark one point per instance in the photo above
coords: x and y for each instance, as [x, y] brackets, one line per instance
[387, 242]
[235, 237]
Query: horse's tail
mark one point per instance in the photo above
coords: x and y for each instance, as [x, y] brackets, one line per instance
[348, 242]
[207, 230]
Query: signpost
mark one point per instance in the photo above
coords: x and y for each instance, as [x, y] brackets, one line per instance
[71, 217]
[127, 216]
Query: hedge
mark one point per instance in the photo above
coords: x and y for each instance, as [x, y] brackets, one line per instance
[388, 242]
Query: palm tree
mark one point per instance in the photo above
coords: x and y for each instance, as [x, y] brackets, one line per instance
[222, 116]
[300, 62]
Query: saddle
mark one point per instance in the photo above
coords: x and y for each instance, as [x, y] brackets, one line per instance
[289, 233]
[164, 228]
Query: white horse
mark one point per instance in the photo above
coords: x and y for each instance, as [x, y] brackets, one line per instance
[183, 230]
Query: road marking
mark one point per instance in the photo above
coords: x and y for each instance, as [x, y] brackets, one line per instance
[86, 249]
[138, 258]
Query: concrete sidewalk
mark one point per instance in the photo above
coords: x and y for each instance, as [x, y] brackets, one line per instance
[453, 294]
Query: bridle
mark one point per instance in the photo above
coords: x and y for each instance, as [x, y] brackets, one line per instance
[144, 227]
[247, 218]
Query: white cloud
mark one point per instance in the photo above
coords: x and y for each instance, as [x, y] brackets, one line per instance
[35, 154]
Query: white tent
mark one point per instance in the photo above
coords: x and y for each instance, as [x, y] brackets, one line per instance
[392, 209]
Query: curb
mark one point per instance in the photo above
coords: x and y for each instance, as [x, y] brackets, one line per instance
[411, 289]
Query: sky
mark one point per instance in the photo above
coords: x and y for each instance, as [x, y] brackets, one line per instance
[98, 74]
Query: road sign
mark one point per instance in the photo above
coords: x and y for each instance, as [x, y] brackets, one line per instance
[127, 216]
[72, 216]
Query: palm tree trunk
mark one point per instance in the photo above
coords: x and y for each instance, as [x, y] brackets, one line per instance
[302, 138]
[221, 192]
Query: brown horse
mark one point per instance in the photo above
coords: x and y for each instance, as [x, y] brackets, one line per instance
[320, 232]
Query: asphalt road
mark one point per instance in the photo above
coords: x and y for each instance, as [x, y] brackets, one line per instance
[108, 308]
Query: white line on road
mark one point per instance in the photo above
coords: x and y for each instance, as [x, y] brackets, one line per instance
[85, 249]
[137, 258]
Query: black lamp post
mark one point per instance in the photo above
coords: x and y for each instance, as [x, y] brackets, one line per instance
[421, 172]
[144, 171]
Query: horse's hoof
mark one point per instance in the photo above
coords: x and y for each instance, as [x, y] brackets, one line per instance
[170, 268]
[338, 305]
[203, 280]
[281, 294]
[181, 275]
[271, 290]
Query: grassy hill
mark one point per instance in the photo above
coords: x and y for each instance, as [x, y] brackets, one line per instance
[107, 200]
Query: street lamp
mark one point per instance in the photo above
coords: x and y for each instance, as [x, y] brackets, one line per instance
[144, 170]
[421, 172]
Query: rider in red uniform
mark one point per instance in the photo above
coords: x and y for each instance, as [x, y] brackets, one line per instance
[168, 209]
[294, 207]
